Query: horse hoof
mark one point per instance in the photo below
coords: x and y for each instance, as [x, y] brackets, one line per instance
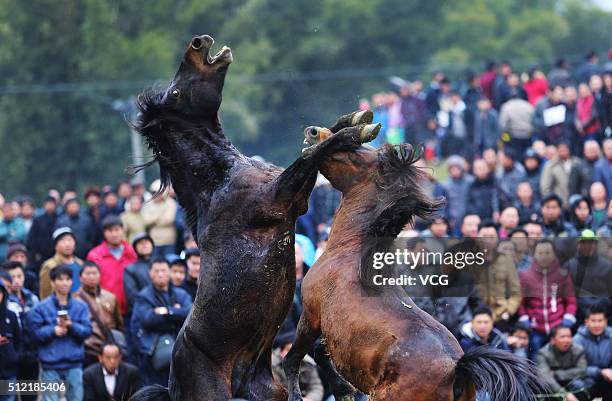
[362, 117]
[369, 132]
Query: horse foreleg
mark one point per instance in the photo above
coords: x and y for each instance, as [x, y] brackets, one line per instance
[352, 119]
[294, 184]
[306, 336]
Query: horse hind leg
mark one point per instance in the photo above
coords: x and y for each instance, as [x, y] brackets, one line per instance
[307, 334]
[339, 386]
[262, 386]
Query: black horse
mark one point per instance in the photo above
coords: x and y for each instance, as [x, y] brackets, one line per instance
[242, 213]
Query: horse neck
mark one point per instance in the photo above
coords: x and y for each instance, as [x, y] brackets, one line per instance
[348, 229]
[201, 151]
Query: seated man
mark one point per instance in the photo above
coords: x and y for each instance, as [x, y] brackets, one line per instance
[596, 339]
[518, 341]
[480, 331]
[111, 379]
[562, 365]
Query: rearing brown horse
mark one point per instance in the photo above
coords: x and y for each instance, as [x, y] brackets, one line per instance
[242, 213]
[383, 343]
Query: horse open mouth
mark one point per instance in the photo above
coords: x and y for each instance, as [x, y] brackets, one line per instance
[204, 44]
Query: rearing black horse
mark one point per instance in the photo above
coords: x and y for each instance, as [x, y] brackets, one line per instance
[242, 213]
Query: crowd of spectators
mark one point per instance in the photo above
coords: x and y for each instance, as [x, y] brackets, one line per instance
[95, 284]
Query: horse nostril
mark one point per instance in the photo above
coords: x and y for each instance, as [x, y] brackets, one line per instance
[313, 132]
[197, 43]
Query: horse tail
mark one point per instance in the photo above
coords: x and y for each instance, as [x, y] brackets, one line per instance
[501, 374]
[152, 393]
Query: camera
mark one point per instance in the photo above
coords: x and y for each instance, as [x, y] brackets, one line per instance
[62, 314]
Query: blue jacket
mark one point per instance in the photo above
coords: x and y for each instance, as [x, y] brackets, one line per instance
[60, 352]
[602, 172]
[470, 340]
[598, 350]
[147, 326]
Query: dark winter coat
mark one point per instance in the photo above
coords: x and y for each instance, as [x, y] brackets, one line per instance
[10, 353]
[483, 198]
[470, 340]
[147, 326]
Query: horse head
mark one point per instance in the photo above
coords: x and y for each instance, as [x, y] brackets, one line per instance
[385, 182]
[346, 169]
[197, 86]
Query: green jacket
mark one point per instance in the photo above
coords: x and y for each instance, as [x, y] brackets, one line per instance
[11, 231]
[555, 367]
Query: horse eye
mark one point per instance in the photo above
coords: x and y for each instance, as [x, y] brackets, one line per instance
[176, 92]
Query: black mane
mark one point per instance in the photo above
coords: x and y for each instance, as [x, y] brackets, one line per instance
[186, 150]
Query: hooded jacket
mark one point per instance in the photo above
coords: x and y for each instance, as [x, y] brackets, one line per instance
[548, 297]
[135, 278]
[598, 350]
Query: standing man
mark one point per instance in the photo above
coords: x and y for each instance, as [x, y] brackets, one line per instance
[40, 241]
[113, 255]
[602, 171]
[591, 275]
[24, 301]
[103, 308]
[133, 222]
[192, 259]
[82, 226]
[160, 310]
[548, 296]
[65, 246]
[60, 325]
[556, 174]
[10, 341]
[11, 229]
[497, 281]
[111, 379]
[136, 276]
[160, 217]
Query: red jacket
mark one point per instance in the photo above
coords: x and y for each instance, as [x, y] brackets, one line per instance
[111, 269]
[548, 297]
[486, 83]
[536, 89]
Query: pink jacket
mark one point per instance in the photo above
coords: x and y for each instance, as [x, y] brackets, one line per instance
[585, 107]
[111, 269]
[548, 297]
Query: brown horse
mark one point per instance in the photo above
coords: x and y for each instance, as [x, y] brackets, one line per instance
[377, 338]
[242, 213]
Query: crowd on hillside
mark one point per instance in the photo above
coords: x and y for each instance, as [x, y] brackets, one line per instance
[94, 284]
